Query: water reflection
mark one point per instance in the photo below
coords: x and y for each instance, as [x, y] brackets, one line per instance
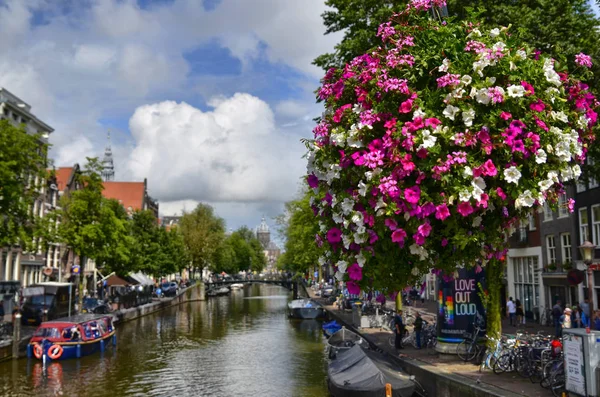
[242, 344]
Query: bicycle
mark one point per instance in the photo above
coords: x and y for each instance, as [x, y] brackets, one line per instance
[469, 348]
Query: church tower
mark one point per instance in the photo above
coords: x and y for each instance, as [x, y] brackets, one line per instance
[108, 167]
[262, 233]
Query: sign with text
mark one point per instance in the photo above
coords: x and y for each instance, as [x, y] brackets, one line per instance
[459, 305]
[574, 365]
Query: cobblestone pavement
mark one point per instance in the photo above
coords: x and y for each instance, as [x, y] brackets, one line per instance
[449, 363]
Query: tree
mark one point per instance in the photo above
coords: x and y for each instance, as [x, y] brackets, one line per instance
[225, 259]
[92, 226]
[147, 246]
[119, 253]
[556, 27]
[172, 256]
[22, 174]
[299, 229]
[203, 233]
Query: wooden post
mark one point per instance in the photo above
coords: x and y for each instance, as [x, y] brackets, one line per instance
[16, 336]
[295, 290]
[388, 390]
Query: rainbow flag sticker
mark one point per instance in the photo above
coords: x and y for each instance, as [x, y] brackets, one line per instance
[450, 309]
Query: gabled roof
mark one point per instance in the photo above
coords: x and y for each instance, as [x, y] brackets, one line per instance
[129, 194]
[63, 176]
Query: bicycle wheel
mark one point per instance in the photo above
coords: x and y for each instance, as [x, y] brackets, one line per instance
[392, 340]
[536, 375]
[467, 350]
[524, 367]
[557, 384]
[504, 363]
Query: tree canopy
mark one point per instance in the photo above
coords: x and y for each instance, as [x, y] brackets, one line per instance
[203, 233]
[22, 175]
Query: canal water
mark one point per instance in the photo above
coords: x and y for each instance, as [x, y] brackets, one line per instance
[237, 345]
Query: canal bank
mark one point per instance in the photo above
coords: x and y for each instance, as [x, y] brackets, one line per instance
[441, 375]
[192, 293]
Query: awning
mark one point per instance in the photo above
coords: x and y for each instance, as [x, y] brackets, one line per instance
[142, 279]
[116, 280]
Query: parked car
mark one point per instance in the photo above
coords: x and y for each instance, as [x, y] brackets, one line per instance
[169, 288]
[97, 306]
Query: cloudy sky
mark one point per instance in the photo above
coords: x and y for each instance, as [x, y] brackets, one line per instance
[208, 99]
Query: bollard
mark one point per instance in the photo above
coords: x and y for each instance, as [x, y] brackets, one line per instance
[388, 390]
[114, 339]
[78, 351]
[16, 336]
[29, 350]
[102, 345]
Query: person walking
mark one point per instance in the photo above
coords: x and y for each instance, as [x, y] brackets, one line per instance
[418, 327]
[585, 308]
[399, 329]
[511, 308]
[597, 319]
[576, 317]
[556, 315]
[520, 314]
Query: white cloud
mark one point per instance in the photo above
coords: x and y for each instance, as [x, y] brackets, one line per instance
[233, 153]
[292, 109]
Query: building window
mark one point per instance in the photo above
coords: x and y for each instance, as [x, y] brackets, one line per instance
[531, 220]
[584, 226]
[551, 249]
[562, 205]
[566, 247]
[592, 182]
[547, 212]
[526, 282]
[596, 224]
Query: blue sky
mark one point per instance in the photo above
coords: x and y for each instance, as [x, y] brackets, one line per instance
[207, 100]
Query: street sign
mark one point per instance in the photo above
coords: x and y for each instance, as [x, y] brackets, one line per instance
[75, 269]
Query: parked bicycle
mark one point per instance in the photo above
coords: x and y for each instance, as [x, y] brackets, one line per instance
[469, 348]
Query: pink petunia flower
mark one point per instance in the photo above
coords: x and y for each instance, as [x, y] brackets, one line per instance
[412, 194]
[464, 208]
[419, 238]
[571, 205]
[442, 212]
[398, 236]
[505, 116]
[583, 60]
[334, 235]
[391, 224]
[313, 181]
[489, 169]
[353, 288]
[538, 106]
[501, 193]
[355, 272]
[424, 229]
[444, 242]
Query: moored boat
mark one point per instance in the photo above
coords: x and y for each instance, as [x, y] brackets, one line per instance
[72, 337]
[236, 286]
[342, 340]
[365, 373]
[306, 309]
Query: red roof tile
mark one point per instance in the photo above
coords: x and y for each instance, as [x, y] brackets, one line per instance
[129, 194]
[63, 174]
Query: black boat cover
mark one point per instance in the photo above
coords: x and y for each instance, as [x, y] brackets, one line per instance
[364, 373]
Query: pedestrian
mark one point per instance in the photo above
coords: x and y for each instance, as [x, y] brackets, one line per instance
[576, 317]
[399, 328]
[597, 320]
[511, 309]
[520, 314]
[418, 326]
[585, 307]
[556, 314]
[566, 321]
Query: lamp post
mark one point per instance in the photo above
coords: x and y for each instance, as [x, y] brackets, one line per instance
[587, 253]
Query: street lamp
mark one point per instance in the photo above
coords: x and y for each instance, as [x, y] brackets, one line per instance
[587, 253]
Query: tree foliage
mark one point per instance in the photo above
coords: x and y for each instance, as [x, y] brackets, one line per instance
[241, 251]
[203, 233]
[299, 228]
[22, 174]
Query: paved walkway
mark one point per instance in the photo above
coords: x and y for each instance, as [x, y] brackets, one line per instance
[505, 384]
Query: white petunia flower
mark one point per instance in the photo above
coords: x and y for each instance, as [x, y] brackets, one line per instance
[428, 139]
[347, 206]
[483, 97]
[576, 171]
[419, 113]
[512, 175]
[468, 116]
[357, 108]
[360, 259]
[479, 182]
[362, 188]
[464, 195]
[477, 221]
[561, 116]
[347, 241]
[494, 32]
[445, 65]
[475, 33]
[553, 176]
[337, 218]
[515, 91]
[545, 184]
[567, 174]
[540, 156]
[467, 172]
[521, 54]
[358, 218]
[418, 250]
[342, 266]
[451, 112]
[466, 79]
[525, 199]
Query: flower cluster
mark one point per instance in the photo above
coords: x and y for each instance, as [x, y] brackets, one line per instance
[414, 168]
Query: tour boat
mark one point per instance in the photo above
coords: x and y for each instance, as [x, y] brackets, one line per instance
[72, 337]
[305, 308]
